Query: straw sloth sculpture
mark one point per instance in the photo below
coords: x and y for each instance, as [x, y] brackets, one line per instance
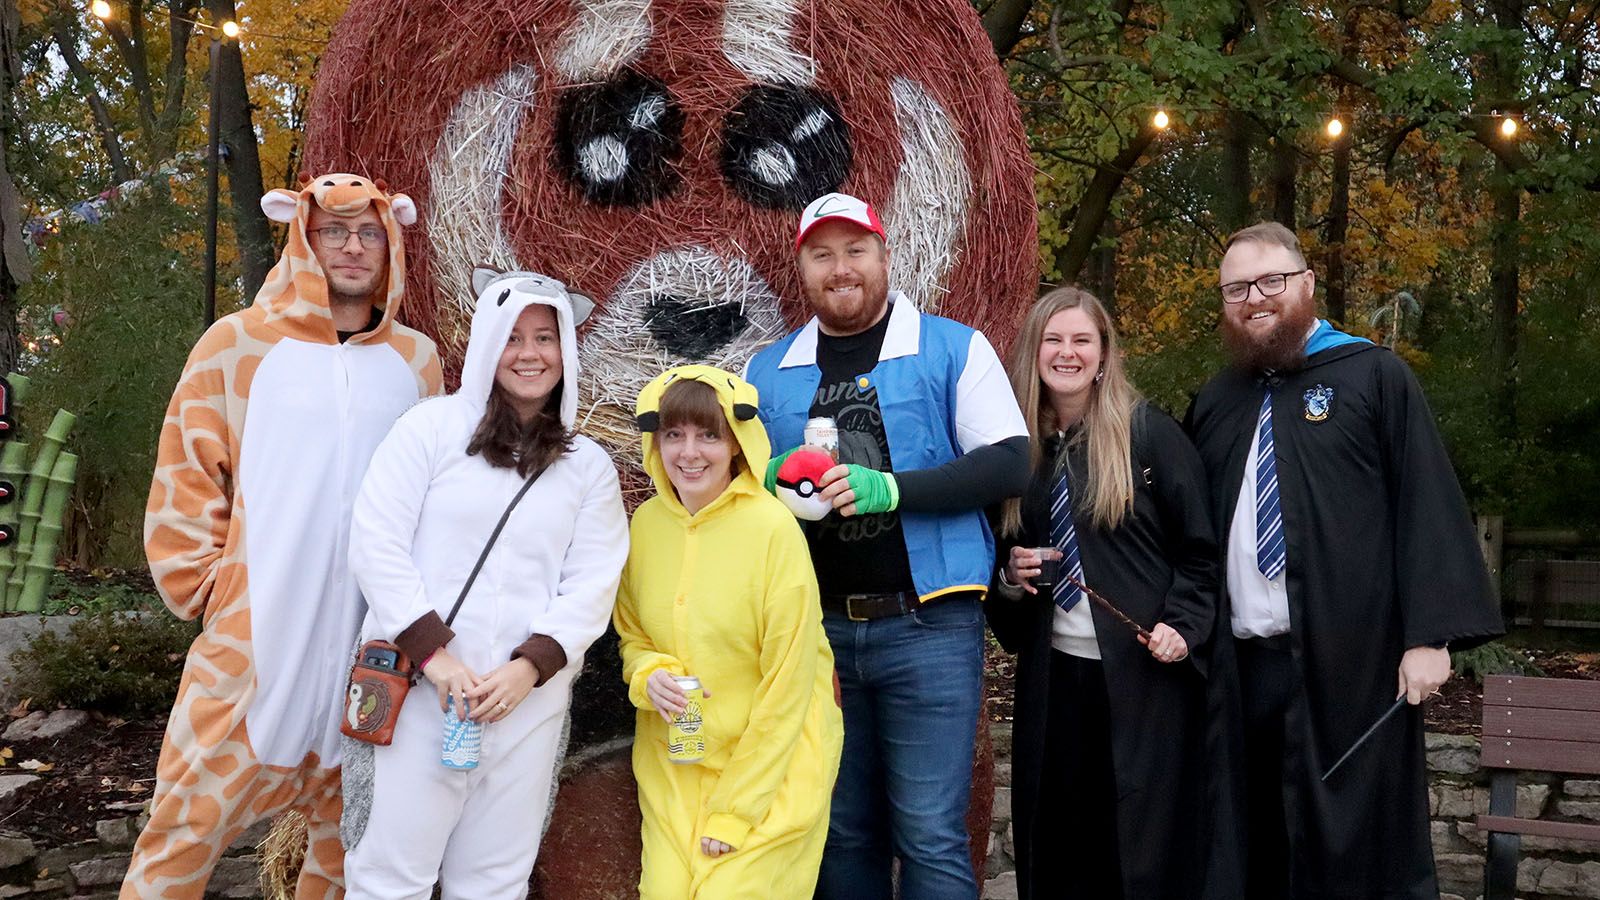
[654, 155]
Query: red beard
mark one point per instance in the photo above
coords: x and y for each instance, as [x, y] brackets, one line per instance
[1281, 349]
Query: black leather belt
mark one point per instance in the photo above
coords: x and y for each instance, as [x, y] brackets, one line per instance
[865, 607]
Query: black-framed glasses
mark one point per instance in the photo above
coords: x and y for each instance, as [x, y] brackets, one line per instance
[334, 237]
[1269, 285]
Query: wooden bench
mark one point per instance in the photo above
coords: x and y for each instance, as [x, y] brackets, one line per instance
[1533, 724]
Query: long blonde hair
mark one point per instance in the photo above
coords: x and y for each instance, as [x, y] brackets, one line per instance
[1107, 422]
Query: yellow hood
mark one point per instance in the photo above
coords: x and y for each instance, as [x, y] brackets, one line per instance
[739, 401]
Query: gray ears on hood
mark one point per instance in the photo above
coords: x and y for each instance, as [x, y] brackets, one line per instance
[485, 275]
[482, 277]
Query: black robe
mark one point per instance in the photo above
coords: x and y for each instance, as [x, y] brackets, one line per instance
[1159, 565]
[1381, 558]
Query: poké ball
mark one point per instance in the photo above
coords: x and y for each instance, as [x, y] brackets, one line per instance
[799, 483]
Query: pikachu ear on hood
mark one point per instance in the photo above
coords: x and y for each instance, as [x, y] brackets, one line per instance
[738, 398]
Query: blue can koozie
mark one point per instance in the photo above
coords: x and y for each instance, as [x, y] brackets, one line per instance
[463, 738]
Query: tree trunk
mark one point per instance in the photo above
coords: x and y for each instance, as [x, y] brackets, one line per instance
[1503, 293]
[15, 266]
[252, 232]
[1236, 178]
[66, 43]
[1003, 23]
[1105, 266]
[1096, 204]
[1503, 251]
[1338, 225]
[1285, 172]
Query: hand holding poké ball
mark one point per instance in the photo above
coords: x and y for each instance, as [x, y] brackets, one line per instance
[799, 483]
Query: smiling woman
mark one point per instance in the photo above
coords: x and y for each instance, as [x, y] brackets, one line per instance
[506, 654]
[530, 366]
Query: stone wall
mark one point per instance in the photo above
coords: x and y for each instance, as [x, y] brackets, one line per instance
[1549, 869]
[94, 869]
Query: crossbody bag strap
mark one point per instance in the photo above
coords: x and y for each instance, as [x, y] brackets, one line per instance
[489, 545]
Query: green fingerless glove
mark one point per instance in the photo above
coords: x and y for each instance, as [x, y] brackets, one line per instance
[876, 492]
[770, 480]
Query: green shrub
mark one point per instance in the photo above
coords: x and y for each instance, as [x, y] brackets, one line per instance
[1493, 658]
[130, 287]
[125, 664]
[69, 595]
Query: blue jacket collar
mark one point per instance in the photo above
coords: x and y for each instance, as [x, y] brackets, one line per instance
[902, 339]
[1326, 337]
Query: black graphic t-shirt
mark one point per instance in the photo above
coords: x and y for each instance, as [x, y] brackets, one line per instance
[858, 554]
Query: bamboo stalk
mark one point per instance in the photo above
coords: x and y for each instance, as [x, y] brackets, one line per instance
[13, 466]
[33, 496]
[42, 554]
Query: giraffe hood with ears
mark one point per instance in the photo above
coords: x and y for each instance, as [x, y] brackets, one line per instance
[295, 294]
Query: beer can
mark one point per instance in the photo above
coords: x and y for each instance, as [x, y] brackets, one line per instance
[463, 738]
[686, 736]
[824, 433]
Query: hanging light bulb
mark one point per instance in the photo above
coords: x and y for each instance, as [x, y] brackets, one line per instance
[1508, 127]
[1335, 127]
[101, 9]
[230, 29]
[1161, 120]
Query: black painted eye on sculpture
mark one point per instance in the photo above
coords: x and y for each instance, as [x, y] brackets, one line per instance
[785, 146]
[618, 140]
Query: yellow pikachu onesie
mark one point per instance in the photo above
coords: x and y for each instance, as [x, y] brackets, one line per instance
[274, 418]
[728, 594]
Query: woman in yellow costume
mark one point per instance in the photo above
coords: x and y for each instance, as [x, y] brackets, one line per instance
[719, 585]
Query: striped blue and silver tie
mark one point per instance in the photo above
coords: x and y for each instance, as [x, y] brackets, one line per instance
[1065, 538]
[1270, 556]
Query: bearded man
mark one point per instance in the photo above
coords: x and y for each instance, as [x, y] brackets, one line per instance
[1351, 571]
[929, 435]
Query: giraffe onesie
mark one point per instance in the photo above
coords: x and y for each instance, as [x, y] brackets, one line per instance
[274, 415]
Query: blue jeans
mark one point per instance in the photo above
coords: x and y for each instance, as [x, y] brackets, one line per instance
[912, 688]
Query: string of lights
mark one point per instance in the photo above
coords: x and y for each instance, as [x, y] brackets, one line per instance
[228, 28]
[1510, 125]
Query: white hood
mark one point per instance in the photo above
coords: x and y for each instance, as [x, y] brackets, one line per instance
[502, 296]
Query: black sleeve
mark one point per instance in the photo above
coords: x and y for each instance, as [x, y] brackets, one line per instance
[1178, 483]
[1441, 579]
[983, 477]
[1010, 618]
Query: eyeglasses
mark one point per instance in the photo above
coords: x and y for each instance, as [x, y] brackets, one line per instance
[334, 237]
[1269, 286]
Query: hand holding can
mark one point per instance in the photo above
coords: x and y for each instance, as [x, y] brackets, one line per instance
[822, 433]
[686, 739]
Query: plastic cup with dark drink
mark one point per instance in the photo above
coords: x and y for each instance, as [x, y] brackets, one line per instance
[1049, 567]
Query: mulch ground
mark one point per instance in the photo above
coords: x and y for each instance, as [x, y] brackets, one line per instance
[104, 769]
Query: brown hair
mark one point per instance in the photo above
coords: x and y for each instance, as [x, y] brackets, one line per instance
[1273, 233]
[689, 402]
[1107, 423]
[506, 442]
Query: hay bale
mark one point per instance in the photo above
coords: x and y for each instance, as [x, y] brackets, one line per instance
[282, 852]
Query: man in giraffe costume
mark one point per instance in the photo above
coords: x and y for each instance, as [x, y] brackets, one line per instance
[277, 412]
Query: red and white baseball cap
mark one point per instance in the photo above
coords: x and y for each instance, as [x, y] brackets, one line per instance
[838, 206]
